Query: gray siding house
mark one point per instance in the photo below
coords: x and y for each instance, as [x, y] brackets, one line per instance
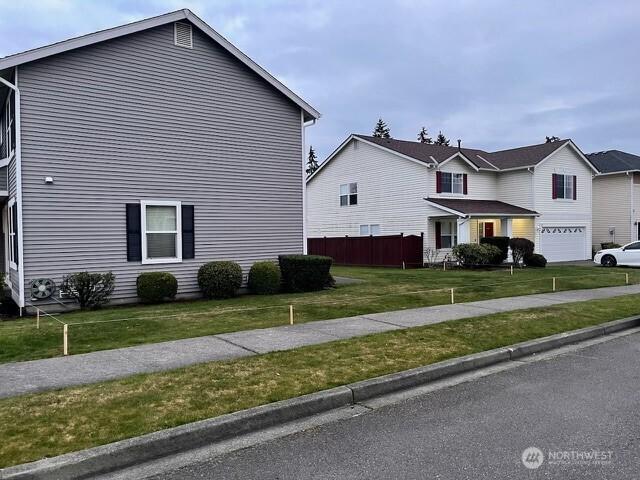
[154, 146]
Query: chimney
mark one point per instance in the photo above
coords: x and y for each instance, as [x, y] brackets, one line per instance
[459, 142]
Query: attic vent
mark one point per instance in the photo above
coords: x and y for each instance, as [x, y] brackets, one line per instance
[182, 35]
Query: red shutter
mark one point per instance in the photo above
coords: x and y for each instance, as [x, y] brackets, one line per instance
[554, 193]
[575, 187]
[438, 234]
[464, 183]
[438, 182]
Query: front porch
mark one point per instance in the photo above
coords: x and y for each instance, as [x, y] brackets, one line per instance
[468, 221]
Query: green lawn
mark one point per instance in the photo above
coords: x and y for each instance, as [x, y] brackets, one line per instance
[381, 290]
[75, 418]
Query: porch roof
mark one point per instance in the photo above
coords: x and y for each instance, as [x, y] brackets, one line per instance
[480, 208]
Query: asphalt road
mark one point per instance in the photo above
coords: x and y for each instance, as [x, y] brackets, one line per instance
[566, 406]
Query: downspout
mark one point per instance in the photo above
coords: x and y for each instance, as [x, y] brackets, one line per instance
[304, 181]
[18, 187]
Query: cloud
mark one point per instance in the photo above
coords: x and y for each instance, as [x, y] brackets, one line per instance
[495, 73]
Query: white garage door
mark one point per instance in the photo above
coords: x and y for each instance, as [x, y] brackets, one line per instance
[560, 244]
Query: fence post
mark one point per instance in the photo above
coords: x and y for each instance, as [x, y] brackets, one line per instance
[402, 249]
[65, 339]
[554, 284]
[290, 314]
[626, 278]
[422, 247]
[346, 250]
[452, 299]
[370, 250]
[38, 318]
[511, 269]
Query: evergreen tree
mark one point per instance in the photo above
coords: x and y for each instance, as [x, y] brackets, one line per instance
[441, 140]
[381, 130]
[423, 136]
[312, 162]
[552, 139]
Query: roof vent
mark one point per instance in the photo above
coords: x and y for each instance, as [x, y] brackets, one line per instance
[182, 34]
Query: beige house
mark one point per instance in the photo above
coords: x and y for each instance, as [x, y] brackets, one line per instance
[616, 197]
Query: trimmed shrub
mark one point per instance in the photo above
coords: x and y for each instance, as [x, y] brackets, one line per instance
[264, 278]
[156, 287]
[502, 243]
[607, 245]
[535, 260]
[219, 279]
[469, 254]
[305, 273]
[520, 249]
[90, 290]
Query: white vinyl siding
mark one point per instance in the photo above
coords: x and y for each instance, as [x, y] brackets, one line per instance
[554, 213]
[481, 185]
[391, 193]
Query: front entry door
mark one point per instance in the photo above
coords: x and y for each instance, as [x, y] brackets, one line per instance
[488, 229]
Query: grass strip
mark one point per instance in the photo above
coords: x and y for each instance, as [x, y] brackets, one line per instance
[53, 423]
[380, 290]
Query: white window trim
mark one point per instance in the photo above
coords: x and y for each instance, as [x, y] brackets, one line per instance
[461, 183]
[370, 230]
[453, 234]
[348, 194]
[143, 220]
[11, 236]
[564, 198]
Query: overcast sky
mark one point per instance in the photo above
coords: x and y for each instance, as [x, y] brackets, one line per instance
[496, 74]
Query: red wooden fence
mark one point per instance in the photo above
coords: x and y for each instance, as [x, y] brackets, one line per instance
[380, 251]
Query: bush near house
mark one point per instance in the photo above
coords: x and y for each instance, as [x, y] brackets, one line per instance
[502, 243]
[90, 290]
[520, 249]
[156, 287]
[305, 273]
[535, 260]
[470, 254]
[264, 278]
[220, 279]
[607, 245]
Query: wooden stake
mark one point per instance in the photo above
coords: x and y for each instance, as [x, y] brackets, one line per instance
[290, 314]
[554, 284]
[65, 339]
[452, 299]
[38, 318]
[626, 278]
[511, 269]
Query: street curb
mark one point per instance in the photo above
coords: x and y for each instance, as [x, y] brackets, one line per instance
[126, 453]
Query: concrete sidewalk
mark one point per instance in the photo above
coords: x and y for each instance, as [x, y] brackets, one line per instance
[52, 373]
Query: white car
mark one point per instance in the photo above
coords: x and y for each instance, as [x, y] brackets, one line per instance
[628, 255]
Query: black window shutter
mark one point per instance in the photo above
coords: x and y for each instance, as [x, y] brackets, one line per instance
[134, 234]
[188, 232]
[14, 219]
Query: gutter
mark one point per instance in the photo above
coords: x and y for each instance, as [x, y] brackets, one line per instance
[18, 156]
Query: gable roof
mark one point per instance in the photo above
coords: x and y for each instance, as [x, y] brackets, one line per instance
[614, 161]
[429, 152]
[10, 61]
[464, 207]
[433, 155]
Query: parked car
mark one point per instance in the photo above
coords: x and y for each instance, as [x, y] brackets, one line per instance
[628, 254]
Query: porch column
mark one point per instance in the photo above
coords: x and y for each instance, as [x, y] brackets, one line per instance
[464, 230]
[506, 227]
